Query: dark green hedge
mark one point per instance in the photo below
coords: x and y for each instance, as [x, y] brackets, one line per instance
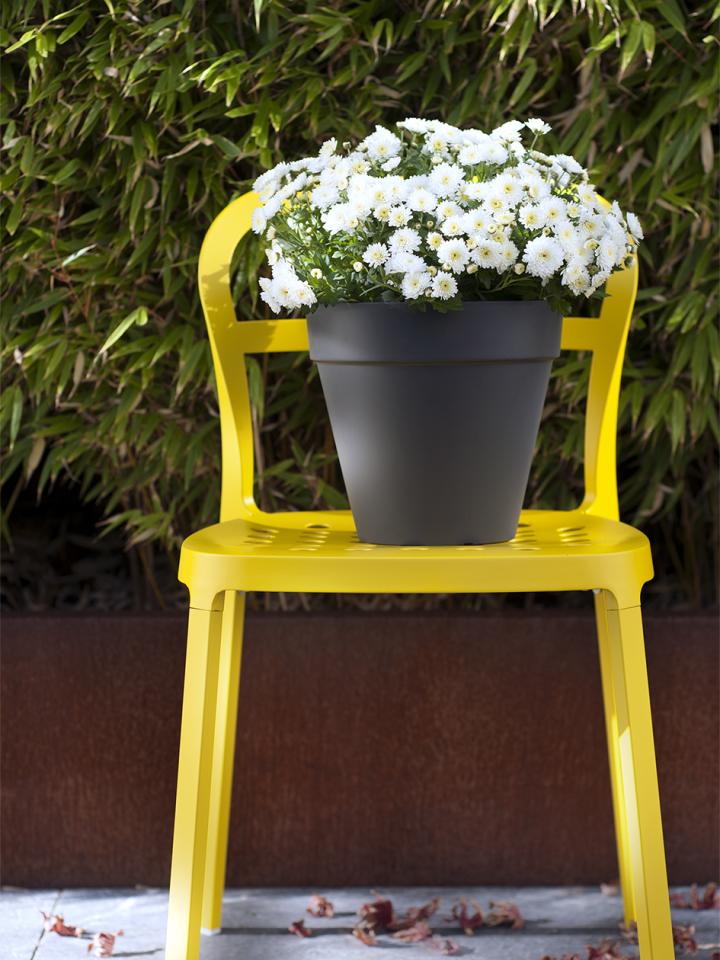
[128, 125]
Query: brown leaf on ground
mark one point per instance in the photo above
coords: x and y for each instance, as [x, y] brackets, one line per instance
[469, 922]
[378, 915]
[365, 934]
[504, 914]
[299, 929]
[708, 900]
[565, 956]
[54, 923]
[320, 906]
[414, 914]
[414, 934]
[444, 945]
[684, 936]
[610, 889]
[607, 950]
[103, 944]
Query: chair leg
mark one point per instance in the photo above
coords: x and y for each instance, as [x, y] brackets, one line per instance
[639, 781]
[193, 789]
[611, 729]
[223, 760]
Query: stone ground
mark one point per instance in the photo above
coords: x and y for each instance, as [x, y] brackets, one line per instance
[558, 921]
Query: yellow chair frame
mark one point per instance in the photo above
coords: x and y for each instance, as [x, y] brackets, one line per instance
[583, 549]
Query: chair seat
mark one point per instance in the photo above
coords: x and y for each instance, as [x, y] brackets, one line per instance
[321, 552]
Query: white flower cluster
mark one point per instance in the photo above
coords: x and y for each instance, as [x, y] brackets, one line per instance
[434, 213]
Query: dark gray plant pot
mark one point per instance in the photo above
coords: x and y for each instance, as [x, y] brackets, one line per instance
[435, 415]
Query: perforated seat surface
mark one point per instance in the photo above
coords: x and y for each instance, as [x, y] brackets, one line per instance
[322, 552]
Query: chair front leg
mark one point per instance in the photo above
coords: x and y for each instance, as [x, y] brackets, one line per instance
[223, 760]
[193, 788]
[635, 746]
[611, 730]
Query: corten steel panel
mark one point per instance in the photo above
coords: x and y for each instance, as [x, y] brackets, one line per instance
[372, 750]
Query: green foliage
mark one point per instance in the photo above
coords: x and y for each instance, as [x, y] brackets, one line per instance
[128, 126]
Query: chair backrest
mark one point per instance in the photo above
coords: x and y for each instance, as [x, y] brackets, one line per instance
[230, 341]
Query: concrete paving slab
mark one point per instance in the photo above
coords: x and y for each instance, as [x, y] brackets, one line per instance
[558, 921]
[20, 920]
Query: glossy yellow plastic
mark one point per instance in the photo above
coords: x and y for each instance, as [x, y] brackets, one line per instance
[582, 549]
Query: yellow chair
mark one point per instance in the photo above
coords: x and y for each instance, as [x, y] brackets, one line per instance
[583, 549]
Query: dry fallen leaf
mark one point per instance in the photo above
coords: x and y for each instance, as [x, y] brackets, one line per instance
[365, 934]
[103, 944]
[709, 900]
[469, 922]
[378, 915]
[444, 945]
[414, 914]
[54, 923]
[504, 914]
[299, 929]
[414, 934]
[320, 906]
[607, 950]
[684, 936]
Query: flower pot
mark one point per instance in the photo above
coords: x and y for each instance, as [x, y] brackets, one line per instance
[435, 415]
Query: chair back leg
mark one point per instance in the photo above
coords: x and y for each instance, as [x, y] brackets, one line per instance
[635, 746]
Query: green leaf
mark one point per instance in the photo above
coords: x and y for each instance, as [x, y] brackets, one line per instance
[75, 26]
[138, 317]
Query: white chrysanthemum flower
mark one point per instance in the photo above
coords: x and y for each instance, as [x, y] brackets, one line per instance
[497, 206]
[471, 154]
[452, 227]
[328, 148]
[382, 144]
[445, 179]
[337, 218]
[569, 164]
[590, 225]
[259, 220]
[434, 240]
[586, 195]
[390, 164]
[453, 255]
[270, 176]
[608, 254]
[403, 262]
[376, 254]
[379, 193]
[444, 286]
[508, 131]
[323, 197]
[422, 200]
[358, 164]
[543, 256]
[507, 254]
[531, 216]
[634, 226]
[415, 284]
[507, 188]
[538, 126]
[448, 208]
[476, 221]
[267, 294]
[436, 143]
[575, 276]
[415, 124]
[399, 217]
[382, 212]
[486, 254]
[552, 210]
[405, 240]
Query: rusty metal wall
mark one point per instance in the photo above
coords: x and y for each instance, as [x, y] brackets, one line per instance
[372, 749]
